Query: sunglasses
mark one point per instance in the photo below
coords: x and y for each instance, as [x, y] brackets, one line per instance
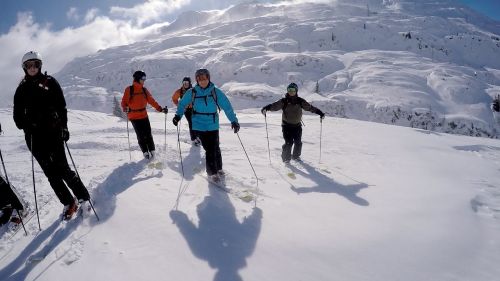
[30, 64]
[143, 78]
[291, 90]
[185, 83]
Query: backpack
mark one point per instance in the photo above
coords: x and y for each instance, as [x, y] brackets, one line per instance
[131, 91]
[214, 96]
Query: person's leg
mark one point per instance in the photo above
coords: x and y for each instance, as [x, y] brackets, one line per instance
[218, 155]
[69, 176]
[209, 143]
[297, 140]
[140, 131]
[42, 152]
[9, 197]
[287, 147]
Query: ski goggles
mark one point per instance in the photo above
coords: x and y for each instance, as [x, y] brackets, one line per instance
[186, 83]
[291, 90]
[32, 63]
[143, 78]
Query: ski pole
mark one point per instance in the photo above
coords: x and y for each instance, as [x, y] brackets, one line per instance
[179, 146]
[320, 135]
[76, 171]
[34, 187]
[248, 160]
[267, 135]
[182, 167]
[165, 135]
[128, 138]
[8, 183]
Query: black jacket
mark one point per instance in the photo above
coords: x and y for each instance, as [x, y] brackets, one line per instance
[39, 105]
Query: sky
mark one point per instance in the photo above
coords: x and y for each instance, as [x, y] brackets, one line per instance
[64, 29]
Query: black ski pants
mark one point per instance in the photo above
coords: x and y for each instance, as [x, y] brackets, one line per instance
[213, 157]
[293, 137]
[48, 150]
[8, 196]
[142, 129]
[189, 117]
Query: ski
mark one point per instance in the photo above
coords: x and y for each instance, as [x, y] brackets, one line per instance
[245, 195]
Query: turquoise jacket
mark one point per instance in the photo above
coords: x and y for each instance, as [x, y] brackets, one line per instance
[205, 111]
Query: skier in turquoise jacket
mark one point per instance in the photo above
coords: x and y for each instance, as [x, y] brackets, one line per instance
[207, 101]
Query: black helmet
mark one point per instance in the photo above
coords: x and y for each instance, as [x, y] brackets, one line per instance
[202, 71]
[139, 75]
[187, 79]
[294, 86]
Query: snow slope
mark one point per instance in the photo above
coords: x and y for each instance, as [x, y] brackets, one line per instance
[425, 64]
[384, 203]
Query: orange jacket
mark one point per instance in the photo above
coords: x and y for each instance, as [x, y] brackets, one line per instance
[177, 96]
[138, 102]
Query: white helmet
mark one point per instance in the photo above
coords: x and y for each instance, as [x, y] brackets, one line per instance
[31, 55]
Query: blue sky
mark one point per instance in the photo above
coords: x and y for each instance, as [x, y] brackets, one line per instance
[57, 13]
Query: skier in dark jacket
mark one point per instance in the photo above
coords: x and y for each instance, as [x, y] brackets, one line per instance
[206, 99]
[40, 110]
[292, 106]
[10, 201]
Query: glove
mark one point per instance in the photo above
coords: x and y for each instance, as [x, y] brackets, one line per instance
[65, 134]
[164, 110]
[263, 110]
[321, 114]
[176, 119]
[235, 126]
[126, 109]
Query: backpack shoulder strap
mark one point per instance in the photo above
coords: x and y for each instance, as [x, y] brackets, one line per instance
[144, 91]
[285, 102]
[131, 92]
[214, 95]
[193, 95]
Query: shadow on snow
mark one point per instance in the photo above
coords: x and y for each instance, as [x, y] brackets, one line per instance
[220, 239]
[328, 185]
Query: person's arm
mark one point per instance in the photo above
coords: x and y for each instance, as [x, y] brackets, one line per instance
[19, 110]
[152, 101]
[308, 107]
[60, 102]
[176, 96]
[125, 99]
[225, 104]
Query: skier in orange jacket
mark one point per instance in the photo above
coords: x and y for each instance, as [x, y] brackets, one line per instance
[135, 99]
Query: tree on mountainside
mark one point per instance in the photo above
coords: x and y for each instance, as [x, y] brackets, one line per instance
[117, 110]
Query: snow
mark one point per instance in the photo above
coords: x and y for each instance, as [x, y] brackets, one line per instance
[380, 202]
[384, 203]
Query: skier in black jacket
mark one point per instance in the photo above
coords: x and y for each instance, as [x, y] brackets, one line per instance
[40, 110]
[292, 106]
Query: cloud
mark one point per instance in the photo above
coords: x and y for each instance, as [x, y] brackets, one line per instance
[151, 11]
[121, 26]
[72, 14]
[59, 47]
[91, 15]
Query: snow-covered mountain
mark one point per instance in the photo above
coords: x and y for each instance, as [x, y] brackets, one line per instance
[384, 203]
[425, 64]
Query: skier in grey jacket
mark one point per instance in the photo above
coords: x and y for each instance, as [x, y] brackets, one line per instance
[292, 106]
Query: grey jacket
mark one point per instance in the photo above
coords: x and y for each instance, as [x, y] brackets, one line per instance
[292, 109]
